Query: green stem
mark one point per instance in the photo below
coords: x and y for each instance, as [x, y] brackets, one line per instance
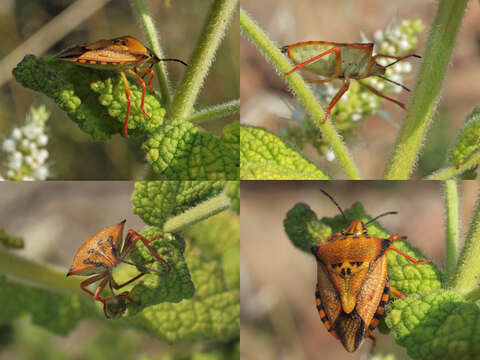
[215, 112]
[452, 171]
[437, 55]
[466, 275]
[202, 58]
[154, 42]
[271, 52]
[198, 213]
[33, 273]
[453, 225]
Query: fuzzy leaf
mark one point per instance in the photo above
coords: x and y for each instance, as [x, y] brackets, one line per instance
[57, 312]
[233, 192]
[174, 285]
[264, 156]
[219, 238]
[94, 99]
[212, 314]
[179, 151]
[437, 325]
[156, 201]
[468, 139]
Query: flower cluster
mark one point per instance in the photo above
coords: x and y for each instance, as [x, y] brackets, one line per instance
[26, 156]
[399, 38]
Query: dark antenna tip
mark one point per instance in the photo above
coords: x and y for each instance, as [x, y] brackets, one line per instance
[381, 215]
[177, 60]
[336, 204]
[394, 82]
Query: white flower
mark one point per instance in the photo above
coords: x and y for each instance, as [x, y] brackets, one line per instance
[403, 44]
[31, 131]
[42, 173]
[8, 145]
[17, 156]
[42, 140]
[28, 160]
[16, 134]
[329, 155]
[378, 35]
[356, 117]
[42, 155]
[15, 164]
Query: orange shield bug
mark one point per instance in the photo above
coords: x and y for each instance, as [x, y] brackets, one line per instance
[352, 282]
[124, 54]
[341, 61]
[101, 252]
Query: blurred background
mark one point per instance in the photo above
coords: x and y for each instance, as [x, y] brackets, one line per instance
[178, 26]
[265, 102]
[279, 319]
[54, 219]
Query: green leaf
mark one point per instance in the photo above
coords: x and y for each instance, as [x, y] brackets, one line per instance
[173, 286]
[58, 312]
[94, 99]
[180, 151]
[156, 201]
[264, 156]
[219, 238]
[212, 314]
[233, 192]
[468, 139]
[437, 325]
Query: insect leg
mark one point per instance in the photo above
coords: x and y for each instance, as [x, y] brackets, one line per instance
[343, 89]
[378, 93]
[152, 73]
[133, 236]
[127, 93]
[415, 261]
[117, 286]
[334, 49]
[90, 281]
[397, 293]
[142, 83]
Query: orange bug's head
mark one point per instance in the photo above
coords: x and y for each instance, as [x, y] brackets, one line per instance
[96, 255]
[356, 228]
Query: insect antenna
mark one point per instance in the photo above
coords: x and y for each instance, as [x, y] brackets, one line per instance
[403, 58]
[177, 60]
[394, 82]
[381, 215]
[336, 204]
[142, 267]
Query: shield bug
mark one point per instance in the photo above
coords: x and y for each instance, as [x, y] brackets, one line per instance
[99, 254]
[352, 282]
[341, 61]
[124, 54]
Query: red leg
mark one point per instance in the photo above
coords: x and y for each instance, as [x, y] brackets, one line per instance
[142, 83]
[90, 281]
[127, 93]
[152, 73]
[133, 236]
[415, 261]
[343, 89]
[397, 293]
[299, 66]
[116, 286]
[378, 93]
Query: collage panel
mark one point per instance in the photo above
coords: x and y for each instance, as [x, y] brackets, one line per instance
[135, 89]
[119, 270]
[309, 268]
[359, 90]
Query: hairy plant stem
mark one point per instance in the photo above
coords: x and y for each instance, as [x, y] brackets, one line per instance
[202, 58]
[271, 52]
[467, 272]
[198, 213]
[424, 98]
[215, 112]
[452, 225]
[31, 273]
[154, 42]
[452, 171]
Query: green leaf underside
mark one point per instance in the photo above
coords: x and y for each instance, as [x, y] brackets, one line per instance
[263, 156]
[156, 201]
[180, 151]
[233, 192]
[219, 239]
[212, 314]
[174, 285]
[468, 139]
[94, 99]
[305, 230]
[436, 325]
[57, 312]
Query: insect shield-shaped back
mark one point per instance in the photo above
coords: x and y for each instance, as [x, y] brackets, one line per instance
[351, 283]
